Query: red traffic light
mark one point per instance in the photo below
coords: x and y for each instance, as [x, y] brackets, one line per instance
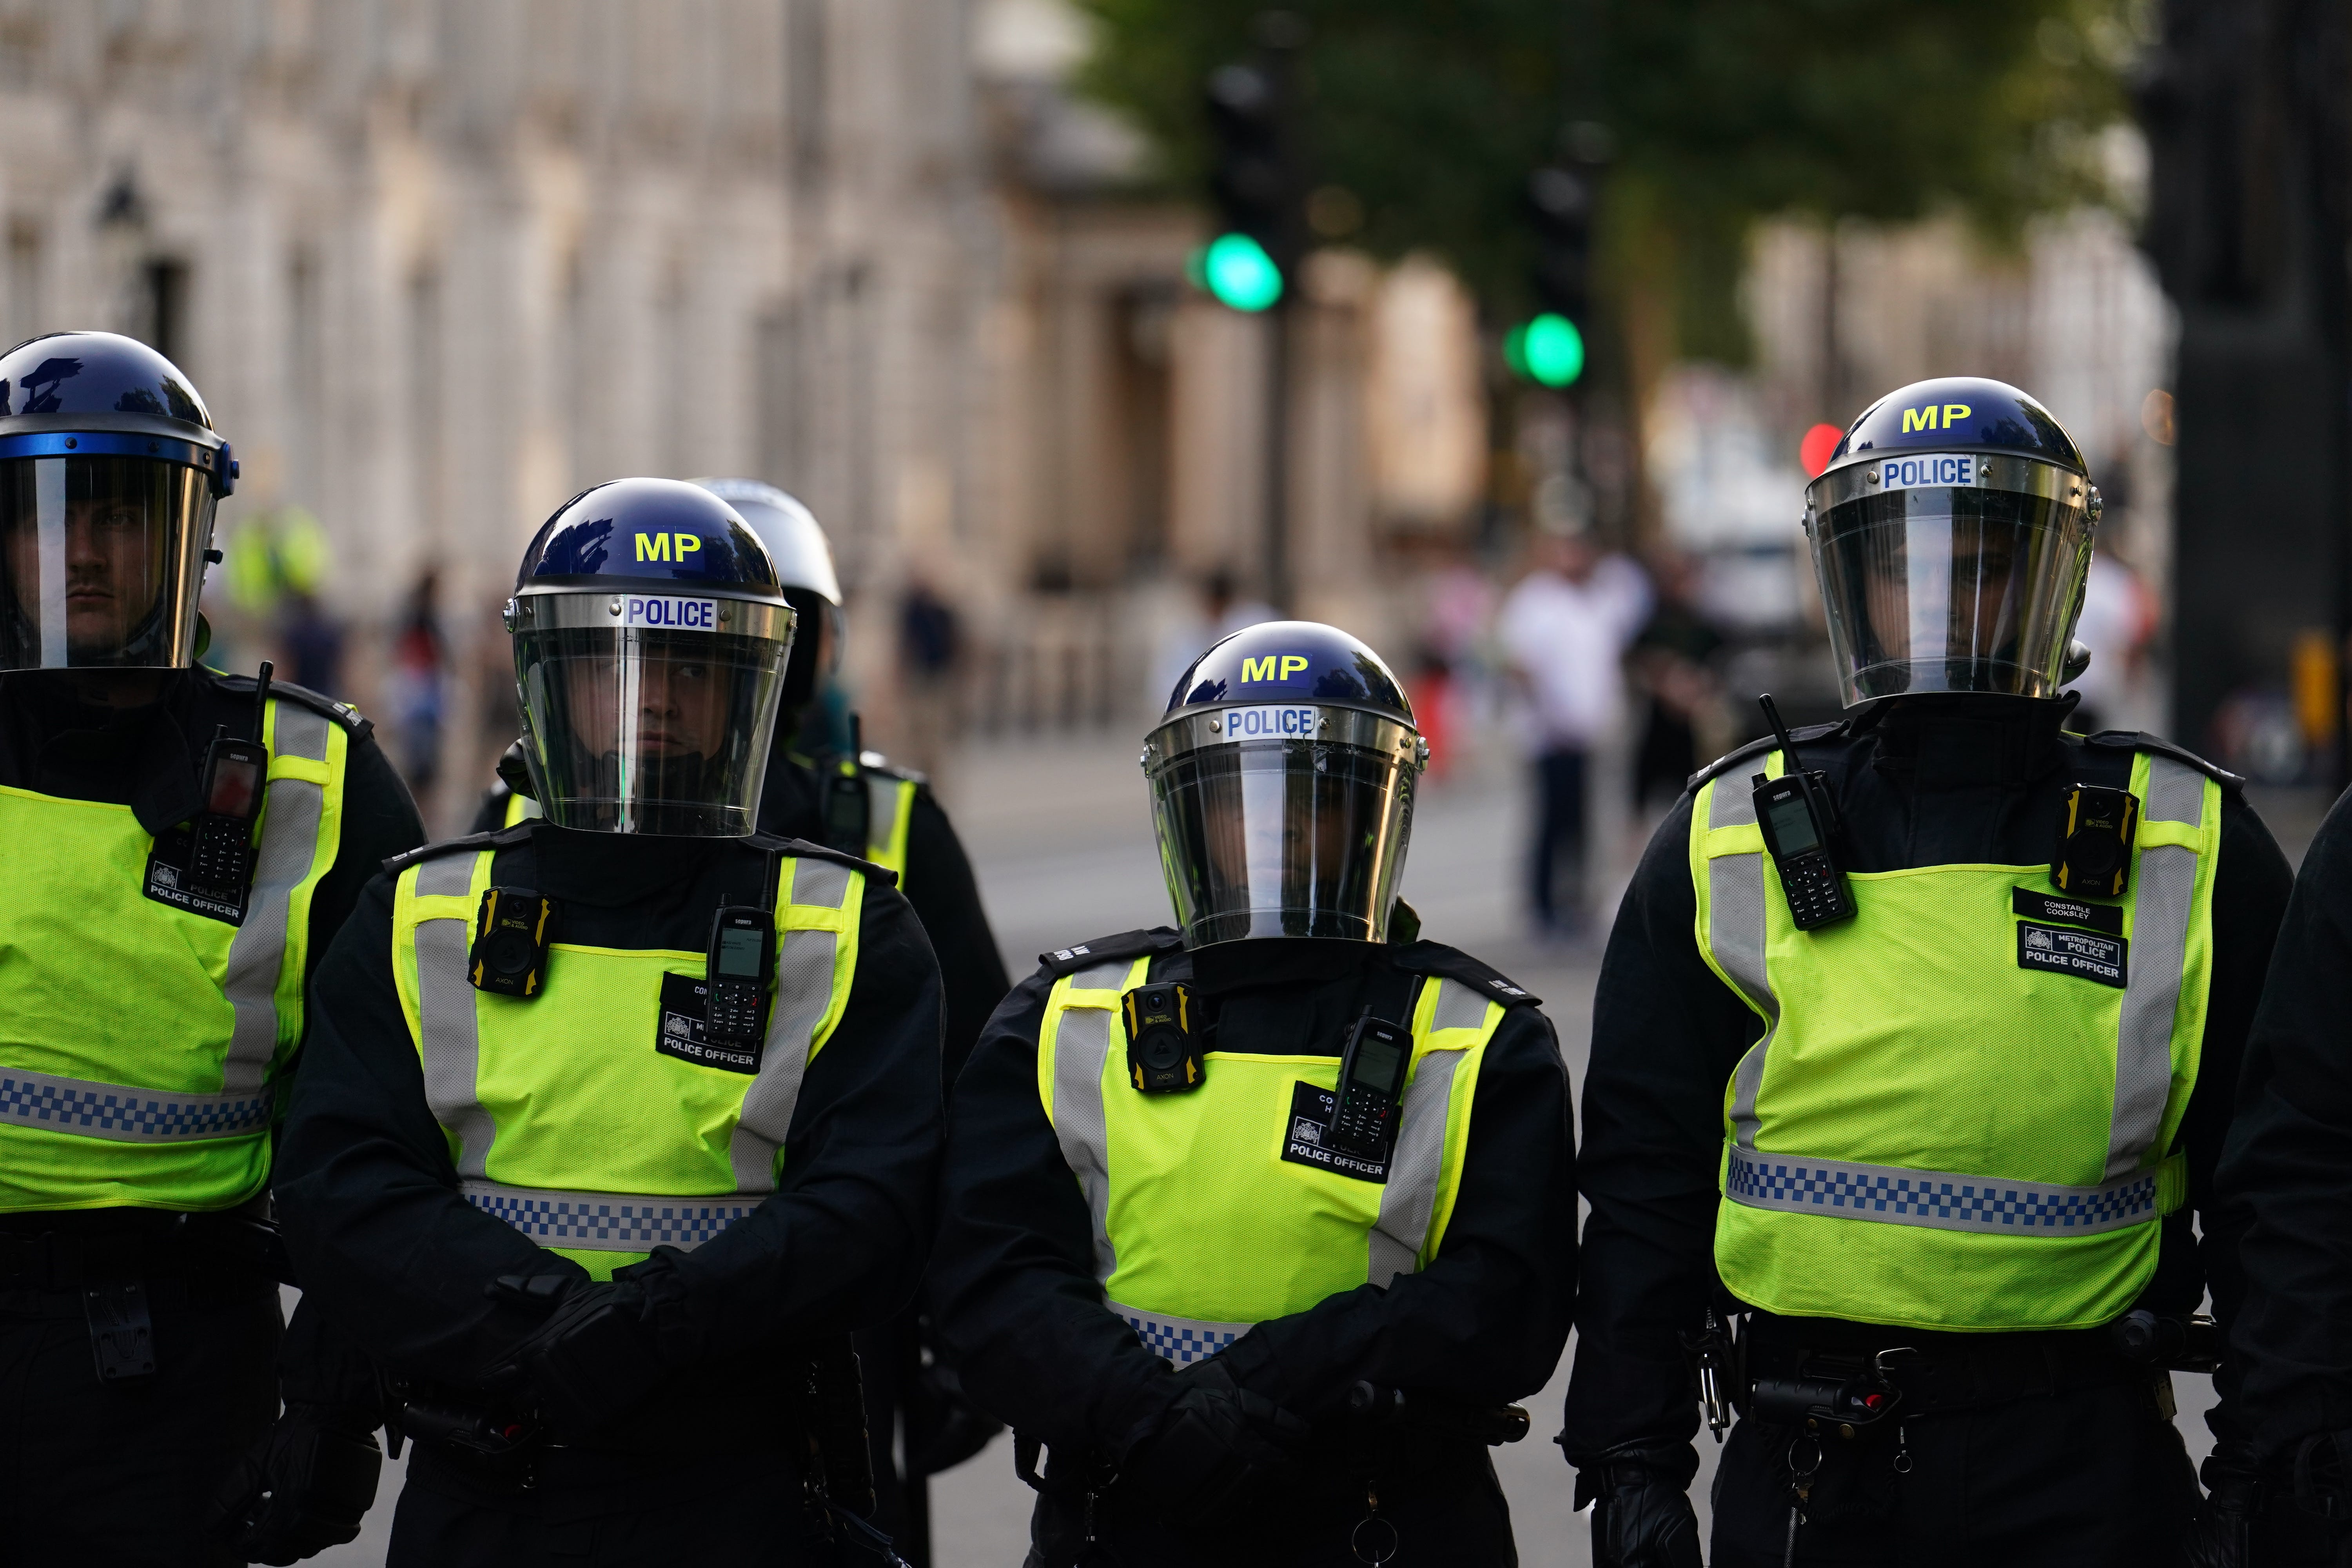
[1817, 446]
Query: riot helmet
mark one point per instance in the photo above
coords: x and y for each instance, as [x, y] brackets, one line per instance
[1952, 534]
[650, 639]
[109, 470]
[1282, 781]
[804, 559]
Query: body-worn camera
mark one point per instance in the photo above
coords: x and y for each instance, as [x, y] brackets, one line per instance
[512, 934]
[2095, 828]
[1165, 1052]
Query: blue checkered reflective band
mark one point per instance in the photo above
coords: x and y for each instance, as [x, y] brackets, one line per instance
[1179, 1340]
[127, 1115]
[1940, 1201]
[608, 1222]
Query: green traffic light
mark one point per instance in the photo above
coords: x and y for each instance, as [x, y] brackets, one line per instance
[1548, 350]
[1236, 270]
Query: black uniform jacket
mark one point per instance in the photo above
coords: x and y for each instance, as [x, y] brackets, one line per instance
[1013, 1268]
[401, 1261]
[938, 882]
[1921, 781]
[2289, 1164]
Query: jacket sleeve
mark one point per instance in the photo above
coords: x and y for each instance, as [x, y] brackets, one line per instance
[940, 885]
[1666, 1034]
[1485, 1320]
[1011, 1279]
[840, 1245]
[2287, 1164]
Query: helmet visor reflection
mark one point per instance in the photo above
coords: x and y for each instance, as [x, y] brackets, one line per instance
[632, 731]
[1265, 838]
[1948, 588]
[101, 560]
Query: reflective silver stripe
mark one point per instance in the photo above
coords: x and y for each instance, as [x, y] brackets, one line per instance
[805, 961]
[820, 884]
[126, 1115]
[445, 1008]
[1102, 976]
[2161, 905]
[881, 816]
[1735, 935]
[1409, 1198]
[610, 1222]
[1459, 1006]
[258, 953]
[1935, 1199]
[1081, 1044]
[1179, 1340]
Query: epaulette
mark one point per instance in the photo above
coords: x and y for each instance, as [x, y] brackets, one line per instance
[505, 837]
[2139, 740]
[802, 849]
[1453, 964]
[1109, 950]
[876, 762]
[343, 713]
[1758, 748]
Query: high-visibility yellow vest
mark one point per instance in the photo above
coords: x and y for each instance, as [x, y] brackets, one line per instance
[562, 1118]
[889, 807]
[1201, 1229]
[520, 808]
[141, 1042]
[1961, 1112]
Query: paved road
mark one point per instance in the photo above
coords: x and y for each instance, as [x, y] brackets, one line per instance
[1063, 849]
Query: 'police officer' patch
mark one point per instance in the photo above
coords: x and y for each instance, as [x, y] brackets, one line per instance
[2078, 953]
[1310, 1115]
[685, 1004]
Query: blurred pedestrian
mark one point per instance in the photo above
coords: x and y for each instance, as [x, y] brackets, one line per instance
[1565, 629]
[1217, 613]
[1674, 660]
[419, 688]
[2119, 620]
[314, 643]
[930, 656]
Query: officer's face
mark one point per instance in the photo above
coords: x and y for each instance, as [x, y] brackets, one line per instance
[1934, 600]
[667, 704]
[113, 567]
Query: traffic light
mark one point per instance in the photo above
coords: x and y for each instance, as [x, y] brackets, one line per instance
[1549, 349]
[1256, 182]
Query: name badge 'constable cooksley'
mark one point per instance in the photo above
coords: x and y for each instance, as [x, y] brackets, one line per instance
[176, 850]
[625, 1117]
[1260, 1223]
[1913, 1050]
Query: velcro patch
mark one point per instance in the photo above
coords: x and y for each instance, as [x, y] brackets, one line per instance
[685, 1004]
[1310, 1114]
[2077, 953]
[2034, 906]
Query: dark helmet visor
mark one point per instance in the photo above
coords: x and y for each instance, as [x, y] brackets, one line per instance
[102, 562]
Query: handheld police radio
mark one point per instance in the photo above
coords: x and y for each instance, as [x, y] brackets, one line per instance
[1800, 821]
[1372, 1081]
[741, 961]
[220, 860]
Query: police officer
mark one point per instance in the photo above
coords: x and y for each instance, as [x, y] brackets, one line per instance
[1251, 1321]
[1912, 1057]
[180, 847]
[624, 1118]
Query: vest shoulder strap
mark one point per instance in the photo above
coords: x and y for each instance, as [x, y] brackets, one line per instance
[1453, 964]
[2129, 741]
[802, 849]
[504, 838]
[1068, 960]
[1732, 758]
[358, 726]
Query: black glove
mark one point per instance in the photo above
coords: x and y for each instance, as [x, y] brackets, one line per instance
[2220, 1535]
[1216, 1443]
[594, 1358]
[1642, 1516]
[304, 1487]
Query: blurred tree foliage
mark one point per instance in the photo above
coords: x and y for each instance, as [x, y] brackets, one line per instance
[1432, 113]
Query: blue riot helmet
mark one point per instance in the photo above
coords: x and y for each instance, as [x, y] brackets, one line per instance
[1282, 780]
[109, 470]
[650, 640]
[803, 558]
[1952, 534]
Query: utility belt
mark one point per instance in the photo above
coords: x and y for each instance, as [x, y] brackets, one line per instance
[108, 1266]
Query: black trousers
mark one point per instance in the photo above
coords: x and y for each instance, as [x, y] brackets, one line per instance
[1558, 857]
[120, 1474]
[1444, 1512]
[705, 1509]
[2080, 1479]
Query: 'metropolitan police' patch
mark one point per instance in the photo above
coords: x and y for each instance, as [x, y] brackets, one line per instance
[2078, 953]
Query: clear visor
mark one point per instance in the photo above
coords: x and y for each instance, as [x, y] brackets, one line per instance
[1951, 588]
[104, 558]
[1264, 838]
[635, 730]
